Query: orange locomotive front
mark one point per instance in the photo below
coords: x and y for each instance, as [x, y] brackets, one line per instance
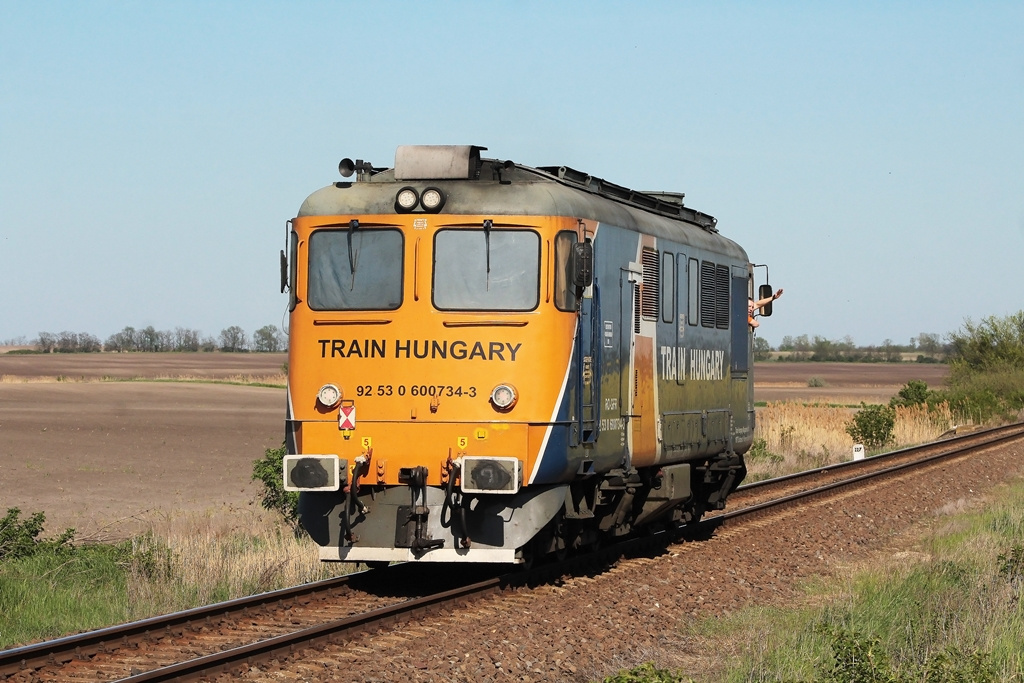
[422, 349]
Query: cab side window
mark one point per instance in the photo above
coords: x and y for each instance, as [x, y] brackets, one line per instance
[693, 273]
[565, 293]
[668, 286]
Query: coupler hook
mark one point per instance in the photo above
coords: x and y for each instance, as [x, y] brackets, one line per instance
[416, 478]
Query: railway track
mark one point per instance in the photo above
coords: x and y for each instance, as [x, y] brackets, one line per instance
[223, 638]
[795, 484]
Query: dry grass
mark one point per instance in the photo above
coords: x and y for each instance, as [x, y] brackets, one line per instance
[919, 424]
[805, 436]
[197, 559]
[802, 436]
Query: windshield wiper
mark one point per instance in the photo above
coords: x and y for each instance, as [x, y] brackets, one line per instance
[353, 258]
[487, 246]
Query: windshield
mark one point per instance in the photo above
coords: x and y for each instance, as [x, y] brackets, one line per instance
[486, 270]
[355, 270]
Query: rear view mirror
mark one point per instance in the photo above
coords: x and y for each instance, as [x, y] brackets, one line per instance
[765, 292]
[582, 266]
[284, 271]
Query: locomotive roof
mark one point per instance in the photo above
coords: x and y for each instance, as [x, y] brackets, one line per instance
[475, 185]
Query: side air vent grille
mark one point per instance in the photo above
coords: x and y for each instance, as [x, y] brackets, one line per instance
[722, 297]
[652, 284]
[714, 295]
[707, 294]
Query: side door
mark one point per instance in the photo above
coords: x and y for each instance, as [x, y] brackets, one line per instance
[629, 315]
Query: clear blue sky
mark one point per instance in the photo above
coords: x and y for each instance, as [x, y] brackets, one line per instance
[871, 153]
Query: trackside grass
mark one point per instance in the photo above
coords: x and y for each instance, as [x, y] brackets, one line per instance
[199, 560]
[950, 611]
[182, 562]
[791, 436]
[53, 593]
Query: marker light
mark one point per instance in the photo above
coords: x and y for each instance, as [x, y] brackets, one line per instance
[504, 397]
[329, 395]
[406, 200]
[433, 199]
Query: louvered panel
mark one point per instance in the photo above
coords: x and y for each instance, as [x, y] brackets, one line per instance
[722, 297]
[707, 294]
[652, 284]
[636, 308]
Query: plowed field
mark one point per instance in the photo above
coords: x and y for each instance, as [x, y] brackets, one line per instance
[844, 382]
[107, 456]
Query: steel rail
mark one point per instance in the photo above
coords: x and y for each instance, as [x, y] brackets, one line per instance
[82, 645]
[224, 662]
[995, 432]
[1001, 436]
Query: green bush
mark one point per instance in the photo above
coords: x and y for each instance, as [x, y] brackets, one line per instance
[987, 368]
[648, 673]
[992, 344]
[914, 392]
[986, 394]
[873, 425]
[19, 538]
[858, 658]
[759, 452]
[270, 471]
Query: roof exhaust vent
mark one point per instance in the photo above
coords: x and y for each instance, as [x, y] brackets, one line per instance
[437, 162]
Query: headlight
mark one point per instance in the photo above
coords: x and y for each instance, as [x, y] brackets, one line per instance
[432, 199]
[406, 200]
[314, 472]
[504, 397]
[490, 474]
[329, 395]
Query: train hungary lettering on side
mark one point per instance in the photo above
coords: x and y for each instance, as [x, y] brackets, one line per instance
[704, 364]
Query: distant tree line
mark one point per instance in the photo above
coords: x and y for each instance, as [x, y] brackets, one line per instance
[267, 339]
[929, 349]
[14, 341]
[986, 372]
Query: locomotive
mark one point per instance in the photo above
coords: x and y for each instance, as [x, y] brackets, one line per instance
[490, 362]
